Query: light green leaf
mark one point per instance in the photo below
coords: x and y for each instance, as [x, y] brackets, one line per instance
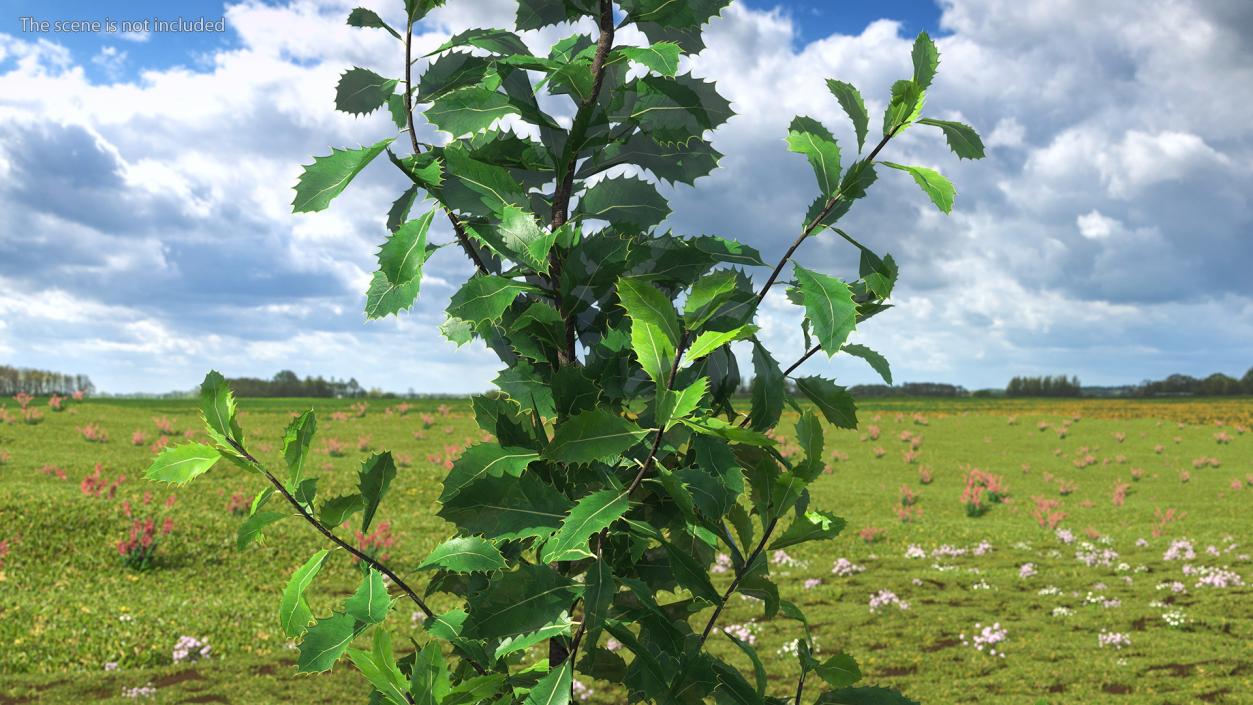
[593, 435]
[179, 465]
[590, 515]
[655, 327]
[296, 441]
[430, 678]
[385, 298]
[524, 240]
[961, 138]
[401, 257]
[369, 604]
[876, 361]
[624, 201]
[386, 677]
[809, 137]
[217, 407]
[293, 610]
[932, 182]
[662, 57]
[926, 58]
[465, 554]
[906, 104]
[711, 340]
[850, 99]
[810, 526]
[375, 476]
[835, 403]
[251, 529]
[680, 404]
[829, 307]
[328, 176]
[325, 642]
[554, 688]
[361, 91]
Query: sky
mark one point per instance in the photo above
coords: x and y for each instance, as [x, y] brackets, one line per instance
[145, 189]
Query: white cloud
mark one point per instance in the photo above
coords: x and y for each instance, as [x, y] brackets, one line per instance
[1116, 180]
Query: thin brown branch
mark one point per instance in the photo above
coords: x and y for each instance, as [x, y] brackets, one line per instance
[462, 238]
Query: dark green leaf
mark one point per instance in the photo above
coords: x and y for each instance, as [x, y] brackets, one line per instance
[361, 17]
[839, 671]
[385, 298]
[673, 109]
[465, 554]
[485, 460]
[961, 138]
[452, 71]
[325, 642]
[864, 696]
[497, 41]
[876, 361]
[590, 515]
[296, 441]
[430, 677]
[926, 58]
[402, 256]
[835, 403]
[251, 529]
[809, 526]
[624, 201]
[507, 508]
[519, 602]
[328, 176]
[676, 163]
[361, 91]
[375, 476]
[484, 298]
[593, 435]
[850, 99]
[335, 511]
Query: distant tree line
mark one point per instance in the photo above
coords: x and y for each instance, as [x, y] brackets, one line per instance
[41, 382]
[1216, 385]
[908, 389]
[1044, 386]
[287, 384]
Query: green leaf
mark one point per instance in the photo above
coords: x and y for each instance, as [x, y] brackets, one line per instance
[217, 407]
[672, 109]
[251, 529]
[325, 642]
[361, 91]
[369, 604]
[593, 435]
[711, 340]
[384, 675]
[682, 163]
[590, 515]
[553, 688]
[401, 257]
[468, 110]
[507, 508]
[430, 677]
[484, 188]
[399, 212]
[456, 330]
[961, 138]
[451, 72]
[293, 610]
[689, 574]
[597, 597]
[484, 298]
[680, 404]
[328, 176]
[417, 9]
[810, 526]
[718, 428]
[335, 511]
[829, 307]
[864, 696]
[375, 476]
[528, 389]
[876, 361]
[810, 437]
[655, 327]
[767, 390]
[465, 554]
[496, 41]
[624, 201]
[835, 403]
[667, 13]
[926, 58]
[850, 99]
[385, 298]
[524, 240]
[361, 17]
[932, 182]
[907, 101]
[485, 460]
[179, 465]
[537, 14]
[759, 669]
[809, 137]
[563, 626]
[296, 441]
[519, 602]
[662, 57]
[839, 671]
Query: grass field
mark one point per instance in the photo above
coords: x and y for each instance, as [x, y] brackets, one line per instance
[69, 610]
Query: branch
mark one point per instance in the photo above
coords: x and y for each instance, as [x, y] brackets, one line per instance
[813, 225]
[735, 584]
[360, 555]
[457, 227]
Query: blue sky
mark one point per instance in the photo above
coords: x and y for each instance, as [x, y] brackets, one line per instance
[145, 232]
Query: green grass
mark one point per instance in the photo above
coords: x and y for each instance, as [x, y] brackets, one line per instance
[67, 606]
